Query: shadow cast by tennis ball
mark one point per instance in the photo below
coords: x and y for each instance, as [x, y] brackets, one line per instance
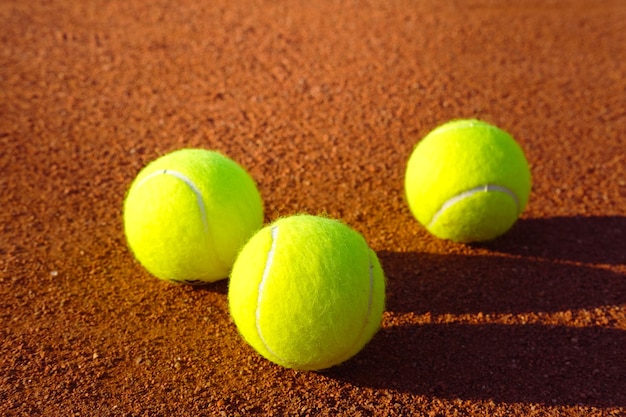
[591, 240]
[457, 284]
[511, 364]
[218, 287]
[533, 363]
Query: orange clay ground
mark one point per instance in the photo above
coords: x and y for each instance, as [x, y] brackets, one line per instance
[322, 102]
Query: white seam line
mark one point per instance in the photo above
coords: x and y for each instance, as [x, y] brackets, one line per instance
[266, 272]
[468, 193]
[370, 299]
[190, 184]
[370, 302]
[461, 124]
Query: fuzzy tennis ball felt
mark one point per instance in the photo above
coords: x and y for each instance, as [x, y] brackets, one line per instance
[307, 292]
[188, 213]
[467, 181]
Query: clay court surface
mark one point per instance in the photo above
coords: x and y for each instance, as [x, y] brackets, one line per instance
[322, 102]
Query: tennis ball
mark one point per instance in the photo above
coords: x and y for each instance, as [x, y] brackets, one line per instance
[188, 213]
[307, 292]
[467, 181]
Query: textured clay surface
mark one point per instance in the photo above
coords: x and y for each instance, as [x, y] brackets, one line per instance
[322, 102]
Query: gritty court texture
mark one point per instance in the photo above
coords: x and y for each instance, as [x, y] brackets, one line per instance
[322, 102]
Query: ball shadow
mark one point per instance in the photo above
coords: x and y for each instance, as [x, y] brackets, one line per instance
[440, 284]
[592, 240]
[511, 364]
[534, 363]
[218, 287]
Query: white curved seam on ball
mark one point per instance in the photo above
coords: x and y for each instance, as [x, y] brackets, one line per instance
[191, 185]
[266, 271]
[469, 193]
[456, 126]
[370, 302]
[370, 298]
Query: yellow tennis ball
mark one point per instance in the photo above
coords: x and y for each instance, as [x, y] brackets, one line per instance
[188, 213]
[467, 181]
[307, 292]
